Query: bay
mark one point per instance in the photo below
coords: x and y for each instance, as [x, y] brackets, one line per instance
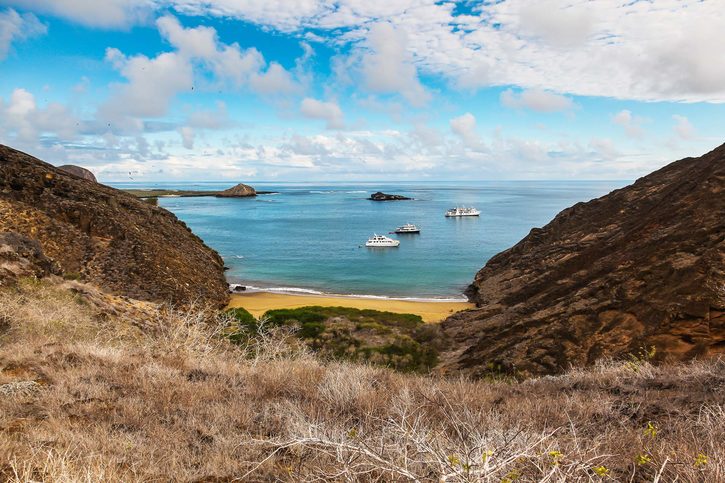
[310, 237]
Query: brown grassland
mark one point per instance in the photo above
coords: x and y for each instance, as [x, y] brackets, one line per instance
[88, 396]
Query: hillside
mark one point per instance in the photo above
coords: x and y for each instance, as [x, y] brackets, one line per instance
[102, 235]
[99, 388]
[641, 267]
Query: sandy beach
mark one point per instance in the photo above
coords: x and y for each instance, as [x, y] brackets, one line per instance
[257, 303]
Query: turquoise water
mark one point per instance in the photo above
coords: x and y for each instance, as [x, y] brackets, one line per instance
[310, 237]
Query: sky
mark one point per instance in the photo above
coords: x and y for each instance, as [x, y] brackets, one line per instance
[362, 90]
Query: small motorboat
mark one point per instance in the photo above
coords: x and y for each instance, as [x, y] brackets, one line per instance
[407, 228]
[381, 241]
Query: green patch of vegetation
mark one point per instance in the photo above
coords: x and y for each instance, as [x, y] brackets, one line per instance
[400, 341]
[72, 276]
[404, 354]
[316, 313]
[243, 325]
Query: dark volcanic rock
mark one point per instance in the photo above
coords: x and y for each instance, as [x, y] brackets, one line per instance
[238, 191]
[105, 236]
[641, 266]
[21, 256]
[380, 196]
[78, 171]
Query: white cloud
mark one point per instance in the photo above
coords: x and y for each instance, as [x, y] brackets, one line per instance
[15, 27]
[664, 50]
[94, 13]
[684, 128]
[230, 63]
[387, 66]
[152, 84]
[537, 100]
[187, 137]
[632, 124]
[557, 22]
[328, 111]
[210, 119]
[465, 128]
[275, 80]
[24, 121]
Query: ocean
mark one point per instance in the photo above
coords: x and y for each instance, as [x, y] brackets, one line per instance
[309, 238]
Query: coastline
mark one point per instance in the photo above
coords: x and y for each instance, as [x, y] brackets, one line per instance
[258, 302]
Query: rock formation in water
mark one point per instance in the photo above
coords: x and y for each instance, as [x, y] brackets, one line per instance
[238, 191]
[78, 171]
[380, 196]
[640, 267]
[107, 237]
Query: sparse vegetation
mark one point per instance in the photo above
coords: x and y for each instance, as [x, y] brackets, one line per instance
[400, 341]
[152, 394]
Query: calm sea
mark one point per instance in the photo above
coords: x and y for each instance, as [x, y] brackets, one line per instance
[310, 237]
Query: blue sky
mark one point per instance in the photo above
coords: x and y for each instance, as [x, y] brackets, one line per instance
[333, 90]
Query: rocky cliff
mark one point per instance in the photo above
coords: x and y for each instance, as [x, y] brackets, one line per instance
[104, 236]
[640, 267]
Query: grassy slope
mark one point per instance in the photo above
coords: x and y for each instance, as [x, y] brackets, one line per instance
[158, 395]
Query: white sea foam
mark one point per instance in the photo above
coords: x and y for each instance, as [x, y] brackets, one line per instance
[307, 291]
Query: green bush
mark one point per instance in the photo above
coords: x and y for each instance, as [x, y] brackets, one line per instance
[242, 316]
[246, 324]
[311, 330]
[302, 315]
[315, 313]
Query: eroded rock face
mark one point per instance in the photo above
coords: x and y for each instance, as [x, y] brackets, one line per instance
[642, 266]
[107, 237]
[22, 257]
[78, 171]
[238, 191]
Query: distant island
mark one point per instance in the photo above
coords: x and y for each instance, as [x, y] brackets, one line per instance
[239, 191]
[380, 196]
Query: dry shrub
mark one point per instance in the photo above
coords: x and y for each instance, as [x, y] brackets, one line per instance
[177, 402]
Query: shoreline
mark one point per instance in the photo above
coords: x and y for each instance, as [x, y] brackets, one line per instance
[302, 291]
[257, 302]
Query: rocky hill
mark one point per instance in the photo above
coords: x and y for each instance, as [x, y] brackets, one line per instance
[239, 191]
[78, 171]
[104, 236]
[643, 266]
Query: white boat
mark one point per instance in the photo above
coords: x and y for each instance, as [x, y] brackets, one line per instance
[461, 211]
[407, 228]
[381, 241]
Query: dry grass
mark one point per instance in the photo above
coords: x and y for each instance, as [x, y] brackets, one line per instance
[175, 402]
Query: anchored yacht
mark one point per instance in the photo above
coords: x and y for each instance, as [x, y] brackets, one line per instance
[461, 211]
[381, 241]
[407, 228]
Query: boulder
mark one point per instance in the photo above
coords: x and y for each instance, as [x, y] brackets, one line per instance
[78, 171]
